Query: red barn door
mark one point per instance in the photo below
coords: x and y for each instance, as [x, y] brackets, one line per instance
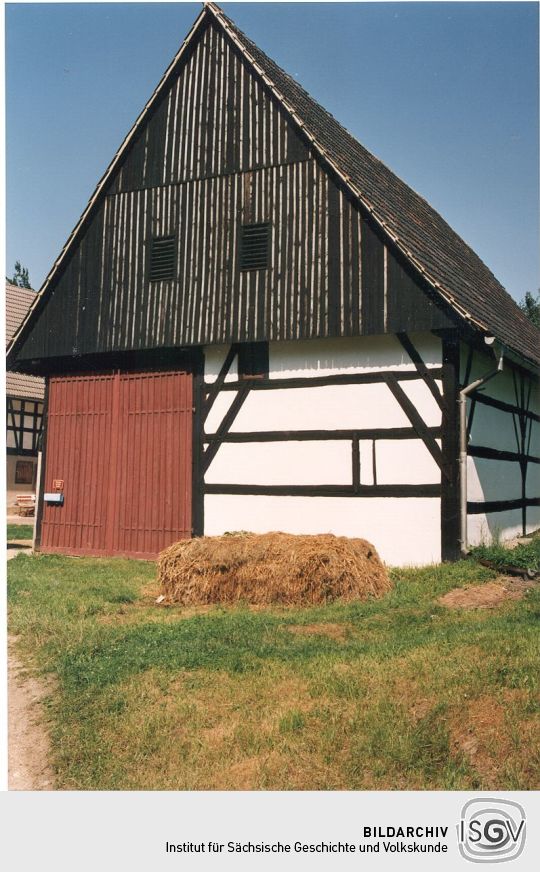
[119, 449]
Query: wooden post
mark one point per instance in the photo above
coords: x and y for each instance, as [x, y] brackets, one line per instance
[197, 482]
[450, 512]
[40, 480]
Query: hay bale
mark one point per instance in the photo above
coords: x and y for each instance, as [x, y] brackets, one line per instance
[271, 568]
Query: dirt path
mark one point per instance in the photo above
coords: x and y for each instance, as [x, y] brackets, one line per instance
[28, 742]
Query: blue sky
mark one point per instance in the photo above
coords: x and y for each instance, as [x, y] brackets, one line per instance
[446, 94]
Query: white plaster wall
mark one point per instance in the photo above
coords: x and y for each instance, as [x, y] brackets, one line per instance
[366, 461]
[492, 428]
[484, 529]
[324, 407]
[264, 463]
[533, 480]
[404, 531]
[492, 479]
[220, 408]
[405, 461]
[360, 354]
[499, 479]
[344, 406]
[214, 358]
[533, 518]
[332, 407]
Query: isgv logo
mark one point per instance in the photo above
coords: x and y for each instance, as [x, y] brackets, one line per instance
[491, 830]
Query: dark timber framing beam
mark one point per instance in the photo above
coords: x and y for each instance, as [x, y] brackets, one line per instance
[496, 454]
[523, 399]
[475, 508]
[41, 483]
[503, 407]
[327, 490]
[355, 451]
[226, 423]
[197, 472]
[320, 435]
[421, 368]
[450, 503]
[369, 378]
[215, 387]
[418, 423]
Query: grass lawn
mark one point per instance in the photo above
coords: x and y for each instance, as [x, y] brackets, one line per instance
[400, 693]
[19, 531]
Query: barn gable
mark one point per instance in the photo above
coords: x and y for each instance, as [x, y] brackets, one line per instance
[237, 216]
[216, 150]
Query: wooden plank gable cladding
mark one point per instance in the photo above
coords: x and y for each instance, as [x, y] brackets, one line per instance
[121, 446]
[216, 118]
[217, 152]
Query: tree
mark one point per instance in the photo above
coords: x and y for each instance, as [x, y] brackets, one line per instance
[20, 276]
[530, 306]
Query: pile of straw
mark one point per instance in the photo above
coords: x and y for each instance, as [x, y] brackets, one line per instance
[271, 568]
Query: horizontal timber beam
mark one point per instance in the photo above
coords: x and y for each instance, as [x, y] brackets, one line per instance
[495, 454]
[320, 435]
[327, 490]
[500, 505]
[359, 378]
[502, 406]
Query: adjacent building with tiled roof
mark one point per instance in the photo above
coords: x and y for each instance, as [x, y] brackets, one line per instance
[24, 410]
[264, 328]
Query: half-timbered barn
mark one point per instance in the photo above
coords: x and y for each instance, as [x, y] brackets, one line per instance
[24, 407]
[264, 328]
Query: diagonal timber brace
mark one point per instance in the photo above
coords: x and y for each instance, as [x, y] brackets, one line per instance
[417, 422]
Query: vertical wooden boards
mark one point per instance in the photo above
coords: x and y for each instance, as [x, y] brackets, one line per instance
[372, 279]
[121, 444]
[329, 272]
[153, 492]
[215, 118]
[450, 507]
[409, 308]
[41, 467]
[197, 474]
[334, 271]
[79, 433]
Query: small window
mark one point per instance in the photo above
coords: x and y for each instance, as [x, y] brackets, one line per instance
[163, 259]
[254, 246]
[24, 472]
[253, 360]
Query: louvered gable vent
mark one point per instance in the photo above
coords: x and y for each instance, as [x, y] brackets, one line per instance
[162, 259]
[254, 248]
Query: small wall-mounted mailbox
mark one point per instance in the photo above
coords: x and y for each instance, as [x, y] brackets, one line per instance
[56, 499]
